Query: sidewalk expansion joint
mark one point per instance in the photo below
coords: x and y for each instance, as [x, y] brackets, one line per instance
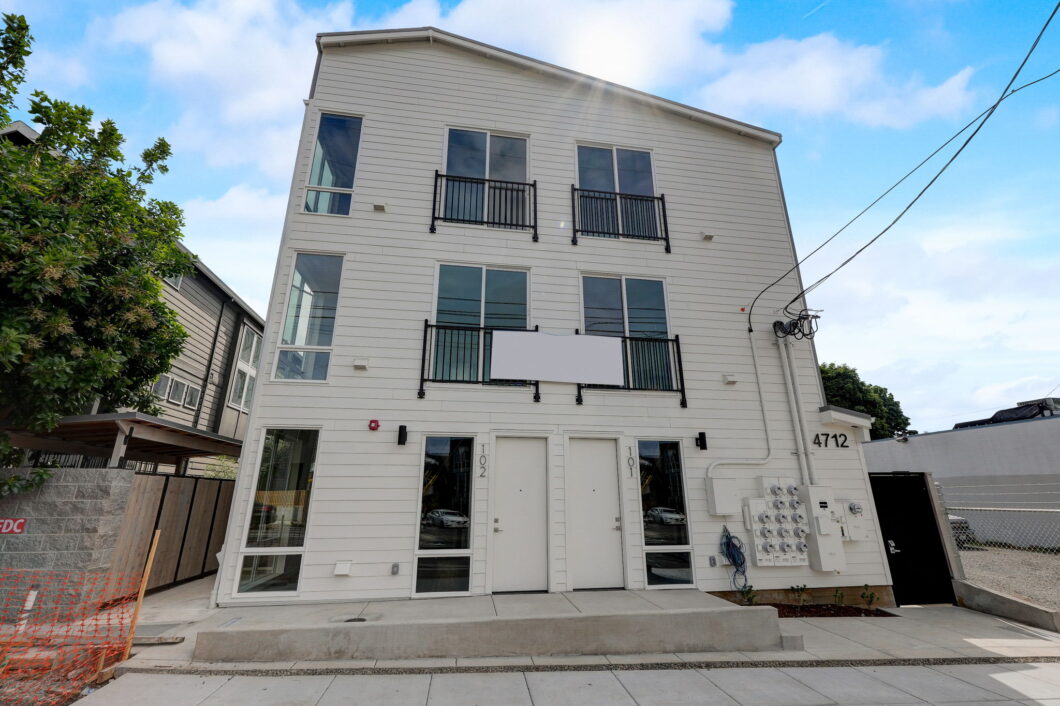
[609, 667]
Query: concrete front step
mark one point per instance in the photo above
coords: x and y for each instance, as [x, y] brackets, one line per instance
[716, 627]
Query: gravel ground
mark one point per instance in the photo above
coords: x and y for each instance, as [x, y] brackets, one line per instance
[1032, 576]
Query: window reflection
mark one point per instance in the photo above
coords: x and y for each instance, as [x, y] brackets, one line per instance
[668, 568]
[445, 510]
[269, 572]
[443, 574]
[662, 493]
[281, 501]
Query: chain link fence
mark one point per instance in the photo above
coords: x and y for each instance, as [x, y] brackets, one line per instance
[1010, 550]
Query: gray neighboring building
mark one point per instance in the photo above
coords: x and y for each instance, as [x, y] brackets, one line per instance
[989, 468]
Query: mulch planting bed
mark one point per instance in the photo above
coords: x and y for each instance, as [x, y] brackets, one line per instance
[828, 610]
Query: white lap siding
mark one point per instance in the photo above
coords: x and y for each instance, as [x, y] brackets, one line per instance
[365, 493]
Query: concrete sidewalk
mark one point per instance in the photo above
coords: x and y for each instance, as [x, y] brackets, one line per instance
[963, 684]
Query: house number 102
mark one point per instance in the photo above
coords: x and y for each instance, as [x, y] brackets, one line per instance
[838, 441]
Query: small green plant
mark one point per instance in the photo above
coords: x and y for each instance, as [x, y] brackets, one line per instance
[224, 467]
[748, 595]
[869, 597]
[838, 596]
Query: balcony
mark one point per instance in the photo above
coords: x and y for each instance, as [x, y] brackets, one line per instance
[487, 202]
[608, 214]
[650, 365]
[463, 354]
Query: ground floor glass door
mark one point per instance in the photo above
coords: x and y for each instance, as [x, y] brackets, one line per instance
[594, 536]
[520, 517]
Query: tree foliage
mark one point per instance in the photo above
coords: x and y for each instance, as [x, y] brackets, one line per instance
[83, 249]
[843, 387]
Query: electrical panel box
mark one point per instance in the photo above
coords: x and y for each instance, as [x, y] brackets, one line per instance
[856, 525]
[825, 538]
[778, 525]
[724, 495]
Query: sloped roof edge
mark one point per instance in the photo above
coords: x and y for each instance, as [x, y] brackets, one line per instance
[433, 34]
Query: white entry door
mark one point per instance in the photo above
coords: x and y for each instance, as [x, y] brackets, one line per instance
[594, 557]
[520, 524]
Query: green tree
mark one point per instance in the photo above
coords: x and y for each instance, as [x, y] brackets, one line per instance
[83, 249]
[843, 387]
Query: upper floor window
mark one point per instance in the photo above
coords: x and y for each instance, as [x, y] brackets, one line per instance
[246, 372]
[485, 180]
[471, 302]
[636, 310]
[309, 323]
[174, 281]
[334, 163]
[178, 392]
[616, 197]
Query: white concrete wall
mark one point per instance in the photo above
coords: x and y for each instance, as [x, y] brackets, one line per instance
[366, 494]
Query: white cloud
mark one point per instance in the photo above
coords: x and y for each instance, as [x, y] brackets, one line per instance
[633, 42]
[951, 326]
[238, 68]
[50, 69]
[237, 236]
[823, 75]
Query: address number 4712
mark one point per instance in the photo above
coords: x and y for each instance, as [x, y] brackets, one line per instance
[838, 441]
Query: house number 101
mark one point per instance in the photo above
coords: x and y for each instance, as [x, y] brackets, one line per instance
[838, 441]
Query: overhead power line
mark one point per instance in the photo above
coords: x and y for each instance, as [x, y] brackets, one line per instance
[893, 186]
[967, 141]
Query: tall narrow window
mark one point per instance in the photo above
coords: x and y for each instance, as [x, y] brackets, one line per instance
[635, 309]
[665, 521]
[617, 196]
[279, 512]
[309, 324]
[285, 476]
[472, 301]
[444, 550]
[246, 372]
[334, 163]
[486, 179]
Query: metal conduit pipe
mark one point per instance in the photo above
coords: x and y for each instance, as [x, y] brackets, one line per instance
[765, 422]
[811, 466]
[796, 418]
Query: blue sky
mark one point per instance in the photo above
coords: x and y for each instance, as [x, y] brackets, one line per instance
[955, 310]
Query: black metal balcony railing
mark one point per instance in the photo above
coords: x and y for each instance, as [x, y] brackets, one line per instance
[488, 202]
[649, 364]
[608, 214]
[462, 354]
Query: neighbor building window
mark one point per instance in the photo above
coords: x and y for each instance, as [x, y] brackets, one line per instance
[443, 563]
[470, 298]
[309, 323]
[279, 511]
[617, 192]
[662, 494]
[246, 372]
[472, 157]
[334, 163]
[174, 281]
[635, 309]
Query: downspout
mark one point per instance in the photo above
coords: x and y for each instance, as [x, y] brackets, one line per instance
[765, 421]
[811, 466]
[209, 363]
[793, 406]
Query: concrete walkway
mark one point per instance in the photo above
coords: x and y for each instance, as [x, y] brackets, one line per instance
[960, 684]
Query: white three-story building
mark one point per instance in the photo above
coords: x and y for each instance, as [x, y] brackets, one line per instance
[507, 347]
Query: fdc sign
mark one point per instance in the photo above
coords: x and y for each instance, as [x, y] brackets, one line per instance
[12, 526]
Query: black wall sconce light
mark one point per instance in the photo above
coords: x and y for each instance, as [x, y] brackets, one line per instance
[701, 441]
[403, 435]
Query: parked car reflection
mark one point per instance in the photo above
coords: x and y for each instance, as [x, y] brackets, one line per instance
[445, 518]
[665, 516]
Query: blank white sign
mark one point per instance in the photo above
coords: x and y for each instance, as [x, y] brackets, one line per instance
[531, 355]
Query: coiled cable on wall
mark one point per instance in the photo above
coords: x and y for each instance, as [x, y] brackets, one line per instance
[732, 549]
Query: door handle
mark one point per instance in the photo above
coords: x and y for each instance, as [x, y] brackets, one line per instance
[617, 527]
[497, 529]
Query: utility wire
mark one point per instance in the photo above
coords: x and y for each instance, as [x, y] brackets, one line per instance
[989, 113]
[885, 193]
[889, 190]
